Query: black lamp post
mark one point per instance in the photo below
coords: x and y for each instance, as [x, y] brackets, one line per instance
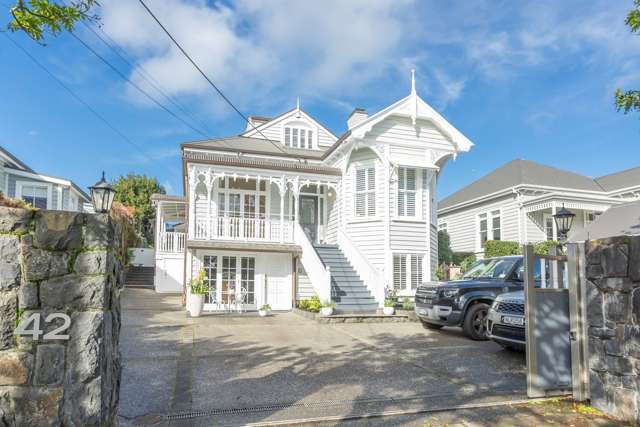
[564, 221]
[102, 195]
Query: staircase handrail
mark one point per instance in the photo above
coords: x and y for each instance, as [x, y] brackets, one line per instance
[372, 277]
[318, 273]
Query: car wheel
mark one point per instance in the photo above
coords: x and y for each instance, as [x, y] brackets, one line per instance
[475, 325]
[428, 325]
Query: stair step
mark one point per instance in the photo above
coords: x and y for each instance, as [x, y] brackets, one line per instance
[354, 300]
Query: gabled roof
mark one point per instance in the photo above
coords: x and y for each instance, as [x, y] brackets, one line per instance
[254, 132]
[14, 160]
[619, 180]
[416, 108]
[520, 172]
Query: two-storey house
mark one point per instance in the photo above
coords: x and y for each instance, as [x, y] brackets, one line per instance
[286, 209]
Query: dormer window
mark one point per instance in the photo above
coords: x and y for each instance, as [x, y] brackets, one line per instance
[298, 137]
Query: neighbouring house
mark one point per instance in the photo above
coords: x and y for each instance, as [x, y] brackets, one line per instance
[19, 181]
[286, 209]
[517, 201]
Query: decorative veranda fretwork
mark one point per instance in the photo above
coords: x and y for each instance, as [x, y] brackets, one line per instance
[569, 204]
[284, 181]
[249, 228]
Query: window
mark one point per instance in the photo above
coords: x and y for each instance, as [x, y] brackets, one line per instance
[489, 227]
[407, 190]
[298, 137]
[483, 229]
[407, 271]
[34, 195]
[248, 279]
[442, 227]
[495, 225]
[365, 192]
[210, 265]
[548, 227]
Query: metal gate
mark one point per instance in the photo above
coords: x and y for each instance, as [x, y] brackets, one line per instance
[547, 326]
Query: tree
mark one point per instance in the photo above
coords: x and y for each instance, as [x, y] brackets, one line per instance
[37, 17]
[630, 99]
[135, 191]
[444, 247]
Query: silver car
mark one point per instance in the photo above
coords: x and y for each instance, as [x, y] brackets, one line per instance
[505, 321]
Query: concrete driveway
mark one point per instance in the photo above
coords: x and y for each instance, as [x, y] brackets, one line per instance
[239, 369]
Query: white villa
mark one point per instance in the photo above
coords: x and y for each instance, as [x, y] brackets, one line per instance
[287, 209]
[517, 202]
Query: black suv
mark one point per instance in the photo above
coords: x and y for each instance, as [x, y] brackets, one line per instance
[466, 302]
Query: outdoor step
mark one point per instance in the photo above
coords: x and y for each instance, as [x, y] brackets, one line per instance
[353, 300]
[345, 308]
[350, 282]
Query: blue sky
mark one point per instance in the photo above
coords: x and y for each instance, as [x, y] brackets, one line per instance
[521, 79]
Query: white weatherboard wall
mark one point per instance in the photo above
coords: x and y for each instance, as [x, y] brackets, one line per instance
[462, 226]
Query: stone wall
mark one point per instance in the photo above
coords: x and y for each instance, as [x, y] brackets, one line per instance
[613, 316]
[59, 262]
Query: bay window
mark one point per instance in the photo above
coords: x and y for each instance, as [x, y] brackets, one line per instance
[365, 192]
[407, 271]
[407, 192]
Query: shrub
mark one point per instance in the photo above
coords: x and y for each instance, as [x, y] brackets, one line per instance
[466, 263]
[542, 248]
[440, 273]
[314, 304]
[458, 257]
[407, 304]
[265, 307]
[388, 302]
[494, 248]
[13, 203]
[303, 304]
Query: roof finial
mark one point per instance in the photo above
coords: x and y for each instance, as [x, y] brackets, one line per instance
[298, 103]
[413, 80]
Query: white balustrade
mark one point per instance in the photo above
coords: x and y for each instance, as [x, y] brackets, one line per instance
[244, 229]
[171, 242]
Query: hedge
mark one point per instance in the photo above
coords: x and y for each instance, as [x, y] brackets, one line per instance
[494, 248]
[458, 257]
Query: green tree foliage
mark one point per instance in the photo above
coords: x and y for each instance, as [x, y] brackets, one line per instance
[135, 191]
[444, 247]
[494, 248]
[37, 17]
[630, 100]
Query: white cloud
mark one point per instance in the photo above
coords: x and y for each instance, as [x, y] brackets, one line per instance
[263, 51]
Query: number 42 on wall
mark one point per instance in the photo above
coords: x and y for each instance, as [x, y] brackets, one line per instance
[30, 326]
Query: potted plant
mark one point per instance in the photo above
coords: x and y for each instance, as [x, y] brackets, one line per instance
[389, 306]
[327, 308]
[389, 301]
[198, 288]
[265, 310]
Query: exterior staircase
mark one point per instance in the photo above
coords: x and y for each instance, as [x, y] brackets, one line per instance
[140, 277]
[348, 291]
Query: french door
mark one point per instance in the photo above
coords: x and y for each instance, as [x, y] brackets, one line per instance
[231, 280]
[241, 214]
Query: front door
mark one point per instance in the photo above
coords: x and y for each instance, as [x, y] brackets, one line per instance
[309, 216]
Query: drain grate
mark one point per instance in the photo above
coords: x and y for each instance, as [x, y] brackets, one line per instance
[311, 404]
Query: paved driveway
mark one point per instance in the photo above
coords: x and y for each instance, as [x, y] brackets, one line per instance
[222, 369]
